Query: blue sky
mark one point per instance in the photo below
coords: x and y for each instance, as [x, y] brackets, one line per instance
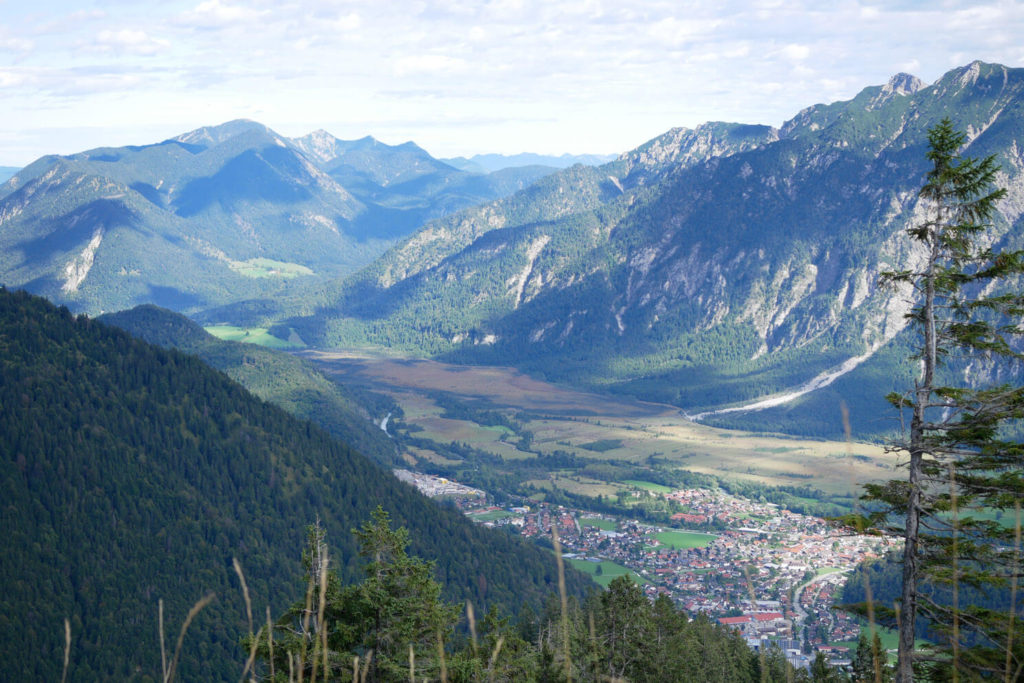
[460, 77]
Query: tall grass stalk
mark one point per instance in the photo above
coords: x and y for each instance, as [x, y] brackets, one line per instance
[471, 617]
[593, 637]
[306, 612]
[319, 626]
[323, 636]
[366, 665]
[196, 609]
[753, 600]
[252, 654]
[564, 599]
[255, 640]
[163, 639]
[494, 658]
[67, 649]
[245, 591]
[270, 642]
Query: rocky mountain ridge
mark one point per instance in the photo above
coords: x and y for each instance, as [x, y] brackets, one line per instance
[708, 267]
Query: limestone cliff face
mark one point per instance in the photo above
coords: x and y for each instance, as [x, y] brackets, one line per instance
[723, 246]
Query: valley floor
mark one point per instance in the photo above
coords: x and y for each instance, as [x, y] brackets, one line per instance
[570, 421]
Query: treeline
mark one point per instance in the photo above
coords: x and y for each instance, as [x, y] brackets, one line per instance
[393, 626]
[132, 473]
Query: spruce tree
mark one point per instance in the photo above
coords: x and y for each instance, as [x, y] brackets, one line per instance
[958, 457]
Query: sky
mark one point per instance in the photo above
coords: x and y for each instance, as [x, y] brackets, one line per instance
[461, 77]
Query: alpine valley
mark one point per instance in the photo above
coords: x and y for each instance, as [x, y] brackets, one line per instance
[716, 269]
[719, 267]
[713, 279]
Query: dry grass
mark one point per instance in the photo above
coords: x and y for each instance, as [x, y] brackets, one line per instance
[196, 609]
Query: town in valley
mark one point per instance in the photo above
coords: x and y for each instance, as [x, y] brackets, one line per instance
[771, 573]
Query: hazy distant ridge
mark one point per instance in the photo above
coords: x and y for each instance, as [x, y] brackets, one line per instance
[237, 210]
[488, 163]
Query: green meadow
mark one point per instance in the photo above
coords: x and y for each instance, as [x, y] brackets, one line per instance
[609, 571]
[684, 539]
[264, 267]
[250, 335]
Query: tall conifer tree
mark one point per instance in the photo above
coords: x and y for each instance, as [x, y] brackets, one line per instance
[958, 457]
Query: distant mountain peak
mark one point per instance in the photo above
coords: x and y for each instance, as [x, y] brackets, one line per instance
[900, 85]
[903, 84]
[208, 136]
[320, 145]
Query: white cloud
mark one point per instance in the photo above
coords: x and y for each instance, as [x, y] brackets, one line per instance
[617, 71]
[214, 14]
[870, 13]
[795, 53]
[16, 44]
[10, 78]
[426, 64]
[675, 31]
[348, 22]
[131, 41]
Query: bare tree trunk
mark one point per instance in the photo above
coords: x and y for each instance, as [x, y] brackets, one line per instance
[911, 534]
[908, 603]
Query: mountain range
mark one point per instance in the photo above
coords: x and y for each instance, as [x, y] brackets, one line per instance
[719, 269]
[708, 268]
[237, 209]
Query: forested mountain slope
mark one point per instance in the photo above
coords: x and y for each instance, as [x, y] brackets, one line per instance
[706, 268]
[275, 376]
[131, 474]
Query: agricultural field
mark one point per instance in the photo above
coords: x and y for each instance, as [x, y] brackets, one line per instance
[597, 430]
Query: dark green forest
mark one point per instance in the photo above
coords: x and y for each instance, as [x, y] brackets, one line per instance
[133, 473]
[284, 380]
